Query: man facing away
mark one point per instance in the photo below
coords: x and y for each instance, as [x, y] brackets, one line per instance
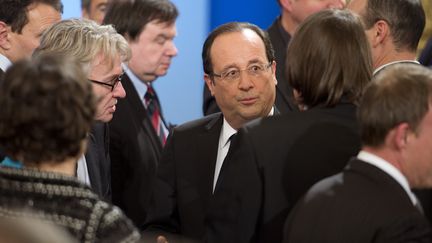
[239, 70]
[371, 200]
[138, 130]
[394, 28]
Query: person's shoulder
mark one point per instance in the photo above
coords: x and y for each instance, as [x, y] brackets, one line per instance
[114, 226]
[200, 123]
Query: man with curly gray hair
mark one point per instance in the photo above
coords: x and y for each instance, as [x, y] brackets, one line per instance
[101, 51]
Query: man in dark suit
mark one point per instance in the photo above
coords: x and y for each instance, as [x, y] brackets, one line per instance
[105, 72]
[280, 32]
[280, 157]
[138, 130]
[394, 28]
[371, 200]
[240, 72]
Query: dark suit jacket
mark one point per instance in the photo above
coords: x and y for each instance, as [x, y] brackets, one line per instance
[284, 95]
[278, 159]
[98, 161]
[2, 154]
[135, 150]
[426, 55]
[362, 204]
[185, 178]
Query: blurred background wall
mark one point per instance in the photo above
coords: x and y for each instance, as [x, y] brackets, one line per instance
[180, 91]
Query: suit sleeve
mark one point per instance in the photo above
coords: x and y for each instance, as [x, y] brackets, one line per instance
[409, 229]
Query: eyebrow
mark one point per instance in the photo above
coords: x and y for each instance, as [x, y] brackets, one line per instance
[232, 65]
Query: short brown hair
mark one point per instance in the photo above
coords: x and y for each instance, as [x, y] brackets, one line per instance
[230, 28]
[406, 20]
[47, 109]
[397, 94]
[14, 12]
[329, 59]
[130, 18]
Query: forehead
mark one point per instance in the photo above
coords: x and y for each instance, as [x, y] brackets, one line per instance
[237, 48]
[42, 16]
[95, 3]
[104, 66]
[155, 28]
[357, 6]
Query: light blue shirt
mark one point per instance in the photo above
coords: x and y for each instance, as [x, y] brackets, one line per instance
[141, 89]
[5, 63]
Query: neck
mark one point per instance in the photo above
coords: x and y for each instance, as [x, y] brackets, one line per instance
[288, 23]
[385, 154]
[393, 56]
[66, 167]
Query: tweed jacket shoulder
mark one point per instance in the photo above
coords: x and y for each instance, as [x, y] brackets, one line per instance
[65, 202]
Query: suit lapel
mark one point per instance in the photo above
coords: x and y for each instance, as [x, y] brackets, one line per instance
[207, 143]
[140, 115]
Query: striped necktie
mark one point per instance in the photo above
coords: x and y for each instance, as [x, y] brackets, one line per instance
[153, 111]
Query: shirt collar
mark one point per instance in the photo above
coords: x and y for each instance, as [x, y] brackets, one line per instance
[389, 169]
[5, 63]
[227, 130]
[391, 63]
[139, 85]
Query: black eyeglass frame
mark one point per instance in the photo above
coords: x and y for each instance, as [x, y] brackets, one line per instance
[115, 82]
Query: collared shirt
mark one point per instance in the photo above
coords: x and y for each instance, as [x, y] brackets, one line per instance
[391, 63]
[82, 171]
[390, 170]
[141, 89]
[5, 63]
[223, 146]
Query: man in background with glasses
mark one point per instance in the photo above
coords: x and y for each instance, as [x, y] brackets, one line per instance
[101, 51]
[239, 70]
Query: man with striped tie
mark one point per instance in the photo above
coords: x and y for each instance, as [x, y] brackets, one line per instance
[138, 131]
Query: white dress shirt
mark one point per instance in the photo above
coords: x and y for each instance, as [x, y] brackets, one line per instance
[223, 146]
[82, 171]
[390, 170]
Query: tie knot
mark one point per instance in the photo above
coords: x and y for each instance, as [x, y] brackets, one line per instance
[150, 94]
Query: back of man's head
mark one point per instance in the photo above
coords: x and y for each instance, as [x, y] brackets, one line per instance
[401, 93]
[405, 18]
[130, 17]
[14, 12]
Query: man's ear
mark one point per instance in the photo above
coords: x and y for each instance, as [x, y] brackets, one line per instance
[399, 135]
[274, 66]
[380, 34]
[210, 83]
[287, 5]
[4, 32]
